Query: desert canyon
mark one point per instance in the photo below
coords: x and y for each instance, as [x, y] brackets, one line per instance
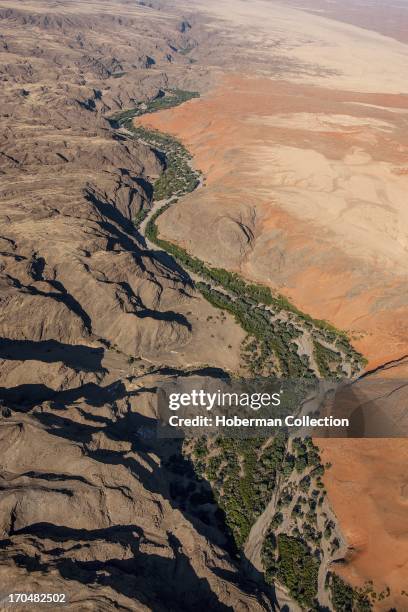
[300, 133]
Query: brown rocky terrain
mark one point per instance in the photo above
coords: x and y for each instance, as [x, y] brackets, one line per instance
[304, 154]
[86, 312]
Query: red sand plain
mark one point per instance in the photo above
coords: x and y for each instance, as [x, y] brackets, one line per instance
[363, 294]
[355, 288]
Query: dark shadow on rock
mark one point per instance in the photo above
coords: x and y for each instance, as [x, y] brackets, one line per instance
[251, 583]
[51, 477]
[169, 315]
[174, 478]
[169, 262]
[159, 582]
[122, 534]
[77, 357]
[61, 295]
[142, 312]
[24, 397]
[123, 229]
[145, 185]
[72, 303]
[206, 371]
[125, 234]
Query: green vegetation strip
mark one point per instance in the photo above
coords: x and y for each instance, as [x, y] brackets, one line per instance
[271, 346]
[344, 598]
[245, 473]
[164, 100]
[298, 570]
[274, 338]
[243, 476]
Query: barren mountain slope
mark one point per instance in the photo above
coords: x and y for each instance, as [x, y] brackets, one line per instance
[86, 311]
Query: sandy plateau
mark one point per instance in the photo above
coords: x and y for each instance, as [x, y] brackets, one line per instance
[306, 183]
[319, 178]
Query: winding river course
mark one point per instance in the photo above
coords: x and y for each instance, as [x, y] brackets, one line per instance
[281, 340]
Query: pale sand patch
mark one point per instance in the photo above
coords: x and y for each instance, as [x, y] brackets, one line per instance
[320, 122]
[350, 57]
[361, 201]
[402, 111]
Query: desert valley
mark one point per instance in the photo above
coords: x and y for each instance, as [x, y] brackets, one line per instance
[200, 189]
